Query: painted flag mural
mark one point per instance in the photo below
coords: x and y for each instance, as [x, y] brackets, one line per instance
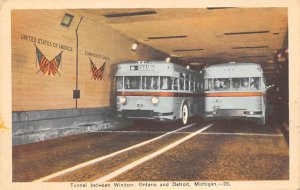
[97, 74]
[46, 66]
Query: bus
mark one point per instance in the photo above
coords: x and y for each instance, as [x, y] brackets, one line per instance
[235, 90]
[158, 90]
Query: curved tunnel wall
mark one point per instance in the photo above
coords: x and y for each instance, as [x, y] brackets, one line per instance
[38, 96]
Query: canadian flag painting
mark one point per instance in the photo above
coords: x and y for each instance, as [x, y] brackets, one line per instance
[97, 73]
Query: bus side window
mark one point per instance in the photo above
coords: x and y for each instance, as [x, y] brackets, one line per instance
[192, 83]
[175, 83]
[181, 79]
[201, 87]
[197, 87]
[165, 83]
[186, 82]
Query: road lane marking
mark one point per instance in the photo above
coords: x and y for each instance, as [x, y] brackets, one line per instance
[151, 132]
[243, 134]
[205, 133]
[56, 174]
[150, 156]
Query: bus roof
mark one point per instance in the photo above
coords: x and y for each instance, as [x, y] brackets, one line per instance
[234, 65]
[233, 70]
[151, 62]
[145, 62]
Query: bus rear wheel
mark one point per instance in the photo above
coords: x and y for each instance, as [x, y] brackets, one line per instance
[185, 114]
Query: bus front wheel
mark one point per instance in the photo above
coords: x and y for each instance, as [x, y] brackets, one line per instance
[185, 113]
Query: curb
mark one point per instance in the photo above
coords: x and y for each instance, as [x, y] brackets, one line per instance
[52, 133]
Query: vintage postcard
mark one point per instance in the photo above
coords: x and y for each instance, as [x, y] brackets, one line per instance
[149, 95]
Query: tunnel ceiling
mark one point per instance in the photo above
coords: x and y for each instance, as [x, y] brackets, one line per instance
[203, 35]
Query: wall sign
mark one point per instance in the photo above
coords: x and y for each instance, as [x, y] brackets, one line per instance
[45, 42]
[96, 55]
[46, 66]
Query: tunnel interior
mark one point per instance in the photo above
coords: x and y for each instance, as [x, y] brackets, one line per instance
[85, 46]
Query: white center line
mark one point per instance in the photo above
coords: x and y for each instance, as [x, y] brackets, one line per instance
[150, 156]
[108, 156]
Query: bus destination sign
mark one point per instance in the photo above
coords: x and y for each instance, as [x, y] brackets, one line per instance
[142, 67]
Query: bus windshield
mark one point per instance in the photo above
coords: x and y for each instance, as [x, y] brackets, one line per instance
[233, 84]
[119, 82]
[132, 82]
[186, 83]
[150, 82]
[147, 82]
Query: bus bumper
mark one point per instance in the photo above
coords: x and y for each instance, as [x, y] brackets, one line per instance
[233, 114]
[146, 114]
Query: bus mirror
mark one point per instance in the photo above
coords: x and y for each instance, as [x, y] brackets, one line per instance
[270, 86]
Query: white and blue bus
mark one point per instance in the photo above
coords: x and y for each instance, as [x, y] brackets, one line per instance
[235, 90]
[158, 90]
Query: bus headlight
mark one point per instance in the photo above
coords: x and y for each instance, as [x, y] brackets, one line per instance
[122, 99]
[155, 100]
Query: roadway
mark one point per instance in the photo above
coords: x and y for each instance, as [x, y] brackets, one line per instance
[151, 151]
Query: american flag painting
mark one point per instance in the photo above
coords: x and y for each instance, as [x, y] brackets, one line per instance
[97, 74]
[46, 66]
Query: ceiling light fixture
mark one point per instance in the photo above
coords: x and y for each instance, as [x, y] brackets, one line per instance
[67, 20]
[140, 13]
[198, 58]
[179, 50]
[240, 33]
[196, 63]
[250, 47]
[247, 56]
[213, 8]
[134, 46]
[166, 37]
[176, 55]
